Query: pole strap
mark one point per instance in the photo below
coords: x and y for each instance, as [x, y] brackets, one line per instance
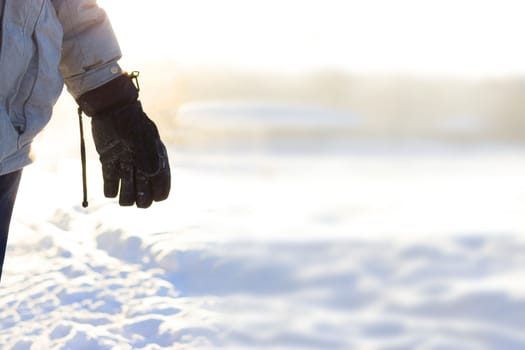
[83, 159]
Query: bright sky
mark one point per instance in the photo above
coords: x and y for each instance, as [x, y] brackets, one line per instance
[457, 37]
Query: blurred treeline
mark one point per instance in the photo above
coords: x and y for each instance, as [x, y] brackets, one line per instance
[387, 106]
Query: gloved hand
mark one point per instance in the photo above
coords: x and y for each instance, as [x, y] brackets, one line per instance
[128, 144]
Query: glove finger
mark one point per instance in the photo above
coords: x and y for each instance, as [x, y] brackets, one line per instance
[127, 186]
[143, 188]
[161, 181]
[160, 184]
[110, 176]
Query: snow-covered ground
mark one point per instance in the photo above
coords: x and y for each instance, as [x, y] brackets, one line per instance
[356, 246]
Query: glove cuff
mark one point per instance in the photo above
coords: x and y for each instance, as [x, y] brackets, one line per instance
[117, 93]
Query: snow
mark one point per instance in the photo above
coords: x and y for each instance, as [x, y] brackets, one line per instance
[247, 115]
[353, 246]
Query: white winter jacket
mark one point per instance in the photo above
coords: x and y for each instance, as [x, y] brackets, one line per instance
[44, 43]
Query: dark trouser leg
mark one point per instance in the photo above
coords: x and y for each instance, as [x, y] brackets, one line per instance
[8, 189]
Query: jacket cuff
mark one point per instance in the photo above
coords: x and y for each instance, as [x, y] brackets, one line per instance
[92, 79]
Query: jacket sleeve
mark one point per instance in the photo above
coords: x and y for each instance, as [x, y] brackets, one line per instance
[90, 50]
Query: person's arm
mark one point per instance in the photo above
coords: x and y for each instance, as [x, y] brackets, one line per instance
[134, 159]
[90, 50]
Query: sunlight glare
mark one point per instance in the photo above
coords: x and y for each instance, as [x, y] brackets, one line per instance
[421, 37]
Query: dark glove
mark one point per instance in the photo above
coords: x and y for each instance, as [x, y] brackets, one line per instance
[128, 144]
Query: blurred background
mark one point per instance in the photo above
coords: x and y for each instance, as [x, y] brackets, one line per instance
[406, 69]
[446, 71]
[346, 175]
